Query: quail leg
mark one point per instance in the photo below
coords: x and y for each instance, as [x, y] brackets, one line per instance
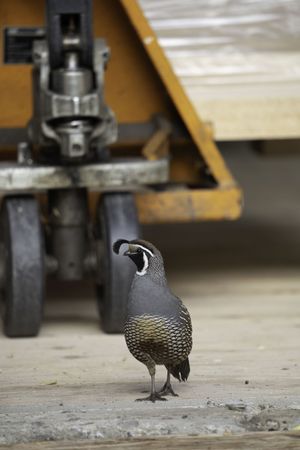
[167, 388]
[153, 394]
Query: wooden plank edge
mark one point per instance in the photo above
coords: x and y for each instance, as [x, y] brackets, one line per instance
[249, 441]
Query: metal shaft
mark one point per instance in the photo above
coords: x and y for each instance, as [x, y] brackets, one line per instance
[68, 216]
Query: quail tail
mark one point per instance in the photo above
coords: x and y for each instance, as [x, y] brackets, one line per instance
[181, 371]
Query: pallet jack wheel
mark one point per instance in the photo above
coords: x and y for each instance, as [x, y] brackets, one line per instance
[23, 266]
[116, 218]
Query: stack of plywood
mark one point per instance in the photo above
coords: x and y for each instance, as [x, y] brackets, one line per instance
[239, 61]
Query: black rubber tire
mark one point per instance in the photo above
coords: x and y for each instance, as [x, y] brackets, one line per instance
[24, 272]
[116, 218]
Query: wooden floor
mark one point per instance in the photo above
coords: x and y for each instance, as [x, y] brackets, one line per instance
[274, 441]
[76, 386]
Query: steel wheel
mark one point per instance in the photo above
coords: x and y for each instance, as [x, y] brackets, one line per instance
[116, 218]
[23, 257]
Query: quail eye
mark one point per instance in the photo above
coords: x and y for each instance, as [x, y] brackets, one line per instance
[139, 250]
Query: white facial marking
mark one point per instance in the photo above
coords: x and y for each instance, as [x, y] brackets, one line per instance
[146, 265]
[145, 249]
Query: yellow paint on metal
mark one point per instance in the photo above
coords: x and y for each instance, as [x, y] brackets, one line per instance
[139, 83]
[132, 88]
[196, 127]
[189, 205]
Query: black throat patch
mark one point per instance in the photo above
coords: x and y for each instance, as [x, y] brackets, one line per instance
[138, 260]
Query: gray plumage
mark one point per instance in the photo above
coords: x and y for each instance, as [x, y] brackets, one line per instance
[158, 330]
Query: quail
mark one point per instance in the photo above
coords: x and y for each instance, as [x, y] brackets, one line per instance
[158, 329]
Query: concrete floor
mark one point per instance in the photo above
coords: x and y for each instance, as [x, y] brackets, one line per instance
[241, 282]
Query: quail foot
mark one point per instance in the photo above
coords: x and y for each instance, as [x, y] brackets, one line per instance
[158, 329]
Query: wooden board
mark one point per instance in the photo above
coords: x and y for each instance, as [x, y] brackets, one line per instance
[255, 441]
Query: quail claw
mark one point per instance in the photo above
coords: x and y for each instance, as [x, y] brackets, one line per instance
[167, 390]
[152, 398]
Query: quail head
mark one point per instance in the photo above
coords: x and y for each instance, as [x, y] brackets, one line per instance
[158, 329]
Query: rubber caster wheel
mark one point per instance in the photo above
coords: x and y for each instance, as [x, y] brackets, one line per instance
[23, 266]
[116, 218]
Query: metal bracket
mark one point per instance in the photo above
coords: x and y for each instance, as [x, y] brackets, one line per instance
[118, 174]
[81, 12]
[159, 143]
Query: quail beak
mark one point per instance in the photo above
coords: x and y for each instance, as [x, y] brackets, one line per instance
[131, 251]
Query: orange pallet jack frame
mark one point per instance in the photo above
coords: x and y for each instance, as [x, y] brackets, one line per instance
[154, 114]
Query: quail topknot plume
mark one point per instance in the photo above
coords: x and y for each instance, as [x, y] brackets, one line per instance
[158, 329]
